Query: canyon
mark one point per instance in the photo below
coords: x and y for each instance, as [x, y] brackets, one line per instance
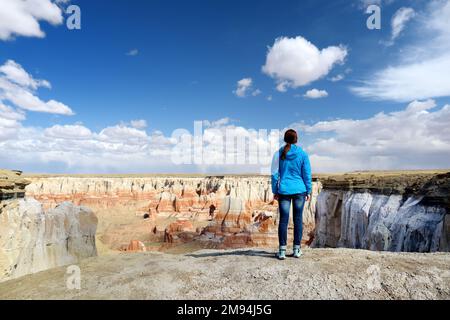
[163, 213]
[382, 211]
[49, 221]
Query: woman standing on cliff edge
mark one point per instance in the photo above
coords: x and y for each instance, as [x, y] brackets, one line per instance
[291, 183]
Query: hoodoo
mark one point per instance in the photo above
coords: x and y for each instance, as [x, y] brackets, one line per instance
[32, 239]
[388, 211]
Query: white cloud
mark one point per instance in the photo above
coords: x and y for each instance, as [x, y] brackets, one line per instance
[417, 137]
[11, 114]
[18, 87]
[402, 83]
[256, 92]
[363, 4]
[282, 86]
[22, 17]
[123, 134]
[133, 52]
[75, 148]
[14, 72]
[315, 94]
[337, 78]
[68, 132]
[296, 62]
[139, 124]
[217, 123]
[399, 21]
[269, 98]
[9, 121]
[419, 73]
[243, 86]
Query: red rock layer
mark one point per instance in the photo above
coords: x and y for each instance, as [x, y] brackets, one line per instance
[241, 209]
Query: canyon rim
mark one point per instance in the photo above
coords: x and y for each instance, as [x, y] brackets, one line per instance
[50, 221]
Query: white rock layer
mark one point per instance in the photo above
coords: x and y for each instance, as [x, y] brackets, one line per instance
[379, 222]
[32, 240]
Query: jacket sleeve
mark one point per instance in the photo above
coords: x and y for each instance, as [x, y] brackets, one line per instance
[306, 173]
[275, 174]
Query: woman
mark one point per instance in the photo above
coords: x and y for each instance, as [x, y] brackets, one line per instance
[291, 183]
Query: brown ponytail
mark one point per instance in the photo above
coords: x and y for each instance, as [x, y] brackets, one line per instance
[290, 137]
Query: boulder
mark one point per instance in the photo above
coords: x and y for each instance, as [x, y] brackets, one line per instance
[32, 240]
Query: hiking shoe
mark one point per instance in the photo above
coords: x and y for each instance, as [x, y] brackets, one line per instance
[281, 255]
[297, 252]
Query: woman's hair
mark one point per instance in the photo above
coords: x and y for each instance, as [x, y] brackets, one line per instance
[290, 137]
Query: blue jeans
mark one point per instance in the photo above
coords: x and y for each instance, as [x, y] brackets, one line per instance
[284, 201]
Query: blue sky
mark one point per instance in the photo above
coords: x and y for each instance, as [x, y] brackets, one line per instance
[188, 58]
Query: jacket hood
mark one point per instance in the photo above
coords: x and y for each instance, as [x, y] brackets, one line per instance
[292, 154]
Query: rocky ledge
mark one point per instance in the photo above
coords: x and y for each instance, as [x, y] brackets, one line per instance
[12, 185]
[390, 211]
[246, 274]
[434, 186]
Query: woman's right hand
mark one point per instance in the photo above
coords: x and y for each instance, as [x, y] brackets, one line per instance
[276, 197]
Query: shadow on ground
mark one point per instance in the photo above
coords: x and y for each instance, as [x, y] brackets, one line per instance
[256, 253]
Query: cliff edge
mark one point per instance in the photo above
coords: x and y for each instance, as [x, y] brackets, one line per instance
[245, 274]
[33, 239]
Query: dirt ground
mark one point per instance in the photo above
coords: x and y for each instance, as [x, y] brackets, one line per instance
[245, 274]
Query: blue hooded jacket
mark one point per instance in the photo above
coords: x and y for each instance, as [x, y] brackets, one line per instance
[293, 175]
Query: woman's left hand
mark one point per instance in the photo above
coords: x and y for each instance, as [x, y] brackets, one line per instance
[308, 197]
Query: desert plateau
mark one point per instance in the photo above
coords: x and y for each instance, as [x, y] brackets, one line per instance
[185, 236]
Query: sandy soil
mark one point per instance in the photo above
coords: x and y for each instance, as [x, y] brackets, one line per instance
[246, 274]
[118, 226]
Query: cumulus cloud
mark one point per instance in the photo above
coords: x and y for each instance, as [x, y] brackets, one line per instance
[122, 148]
[139, 124]
[315, 94]
[243, 87]
[11, 114]
[417, 137]
[76, 148]
[10, 121]
[123, 134]
[296, 62]
[419, 72]
[23, 17]
[68, 132]
[19, 88]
